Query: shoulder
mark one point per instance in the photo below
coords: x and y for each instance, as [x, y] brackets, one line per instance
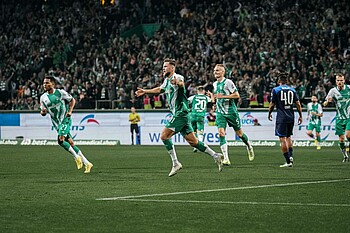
[179, 77]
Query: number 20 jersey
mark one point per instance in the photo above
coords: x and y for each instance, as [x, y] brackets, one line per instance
[284, 97]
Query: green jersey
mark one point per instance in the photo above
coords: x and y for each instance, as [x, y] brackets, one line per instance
[175, 95]
[342, 101]
[225, 87]
[316, 108]
[56, 105]
[199, 104]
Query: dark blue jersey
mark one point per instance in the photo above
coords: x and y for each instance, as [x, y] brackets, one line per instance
[284, 97]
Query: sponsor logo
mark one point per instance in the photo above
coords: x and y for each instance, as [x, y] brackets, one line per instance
[247, 119]
[84, 122]
[166, 119]
[325, 129]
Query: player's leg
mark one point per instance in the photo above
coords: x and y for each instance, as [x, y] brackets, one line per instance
[340, 127]
[195, 129]
[63, 131]
[347, 134]
[281, 130]
[165, 136]
[132, 133]
[221, 124]
[86, 162]
[193, 141]
[137, 132]
[235, 122]
[310, 128]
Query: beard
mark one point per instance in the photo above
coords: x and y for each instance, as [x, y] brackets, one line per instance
[167, 74]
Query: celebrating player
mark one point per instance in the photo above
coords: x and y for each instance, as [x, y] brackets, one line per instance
[225, 92]
[174, 88]
[314, 114]
[340, 95]
[59, 104]
[199, 104]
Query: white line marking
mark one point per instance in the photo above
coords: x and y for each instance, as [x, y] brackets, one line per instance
[220, 190]
[237, 202]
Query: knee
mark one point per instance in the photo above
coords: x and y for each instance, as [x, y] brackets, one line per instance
[60, 141]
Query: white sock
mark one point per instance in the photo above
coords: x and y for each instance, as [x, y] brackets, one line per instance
[71, 150]
[85, 161]
[173, 156]
[224, 151]
[209, 151]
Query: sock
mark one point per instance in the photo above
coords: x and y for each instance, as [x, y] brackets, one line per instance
[204, 148]
[286, 156]
[311, 135]
[290, 151]
[223, 147]
[342, 148]
[318, 139]
[200, 137]
[68, 148]
[245, 139]
[71, 150]
[171, 150]
[85, 161]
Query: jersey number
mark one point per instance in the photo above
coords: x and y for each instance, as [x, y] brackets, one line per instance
[200, 105]
[287, 97]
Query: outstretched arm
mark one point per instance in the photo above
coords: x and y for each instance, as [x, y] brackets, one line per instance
[141, 92]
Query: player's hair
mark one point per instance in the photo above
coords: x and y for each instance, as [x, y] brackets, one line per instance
[170, 60]
[220, 65]
[339, 75]
[200, 88]
[52, 79]
[282, 76]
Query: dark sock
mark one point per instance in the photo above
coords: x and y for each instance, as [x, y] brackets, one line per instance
[286, 156]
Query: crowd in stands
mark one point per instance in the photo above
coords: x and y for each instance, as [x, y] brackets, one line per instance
[80, 43]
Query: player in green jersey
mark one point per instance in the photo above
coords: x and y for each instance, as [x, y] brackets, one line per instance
[314, 114]
[174, 89]
[59, 105]
[198, 104]
[224, 94]
[340, 95]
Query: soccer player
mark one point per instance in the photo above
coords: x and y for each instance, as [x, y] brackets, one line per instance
[59, 104]
[340, 95]
[199, 104]
[174, 88]
[134, 118]
[225, 92]
[283, 97]
[314, 114]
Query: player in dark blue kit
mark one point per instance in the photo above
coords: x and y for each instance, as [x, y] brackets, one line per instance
[283, 97]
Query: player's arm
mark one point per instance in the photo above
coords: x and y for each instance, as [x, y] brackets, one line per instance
[43, 109]
[141, 92]
[70, 107]
[300, 111]
[271, 108]
[234, 95]
[138, 118]
[329, 99]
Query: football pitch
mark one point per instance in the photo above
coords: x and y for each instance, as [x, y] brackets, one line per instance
[128, 190]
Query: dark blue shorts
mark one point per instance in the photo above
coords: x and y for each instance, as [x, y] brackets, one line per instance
[284, 129]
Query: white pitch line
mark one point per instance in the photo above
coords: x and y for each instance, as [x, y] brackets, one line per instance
[220, 190]
[237, 202]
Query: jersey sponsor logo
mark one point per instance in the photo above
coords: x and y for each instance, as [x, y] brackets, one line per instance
[247, 119]
[166, 119]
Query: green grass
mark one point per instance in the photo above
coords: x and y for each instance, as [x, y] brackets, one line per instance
[42, 191]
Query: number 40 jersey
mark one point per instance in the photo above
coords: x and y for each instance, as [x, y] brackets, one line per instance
[284, 97]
